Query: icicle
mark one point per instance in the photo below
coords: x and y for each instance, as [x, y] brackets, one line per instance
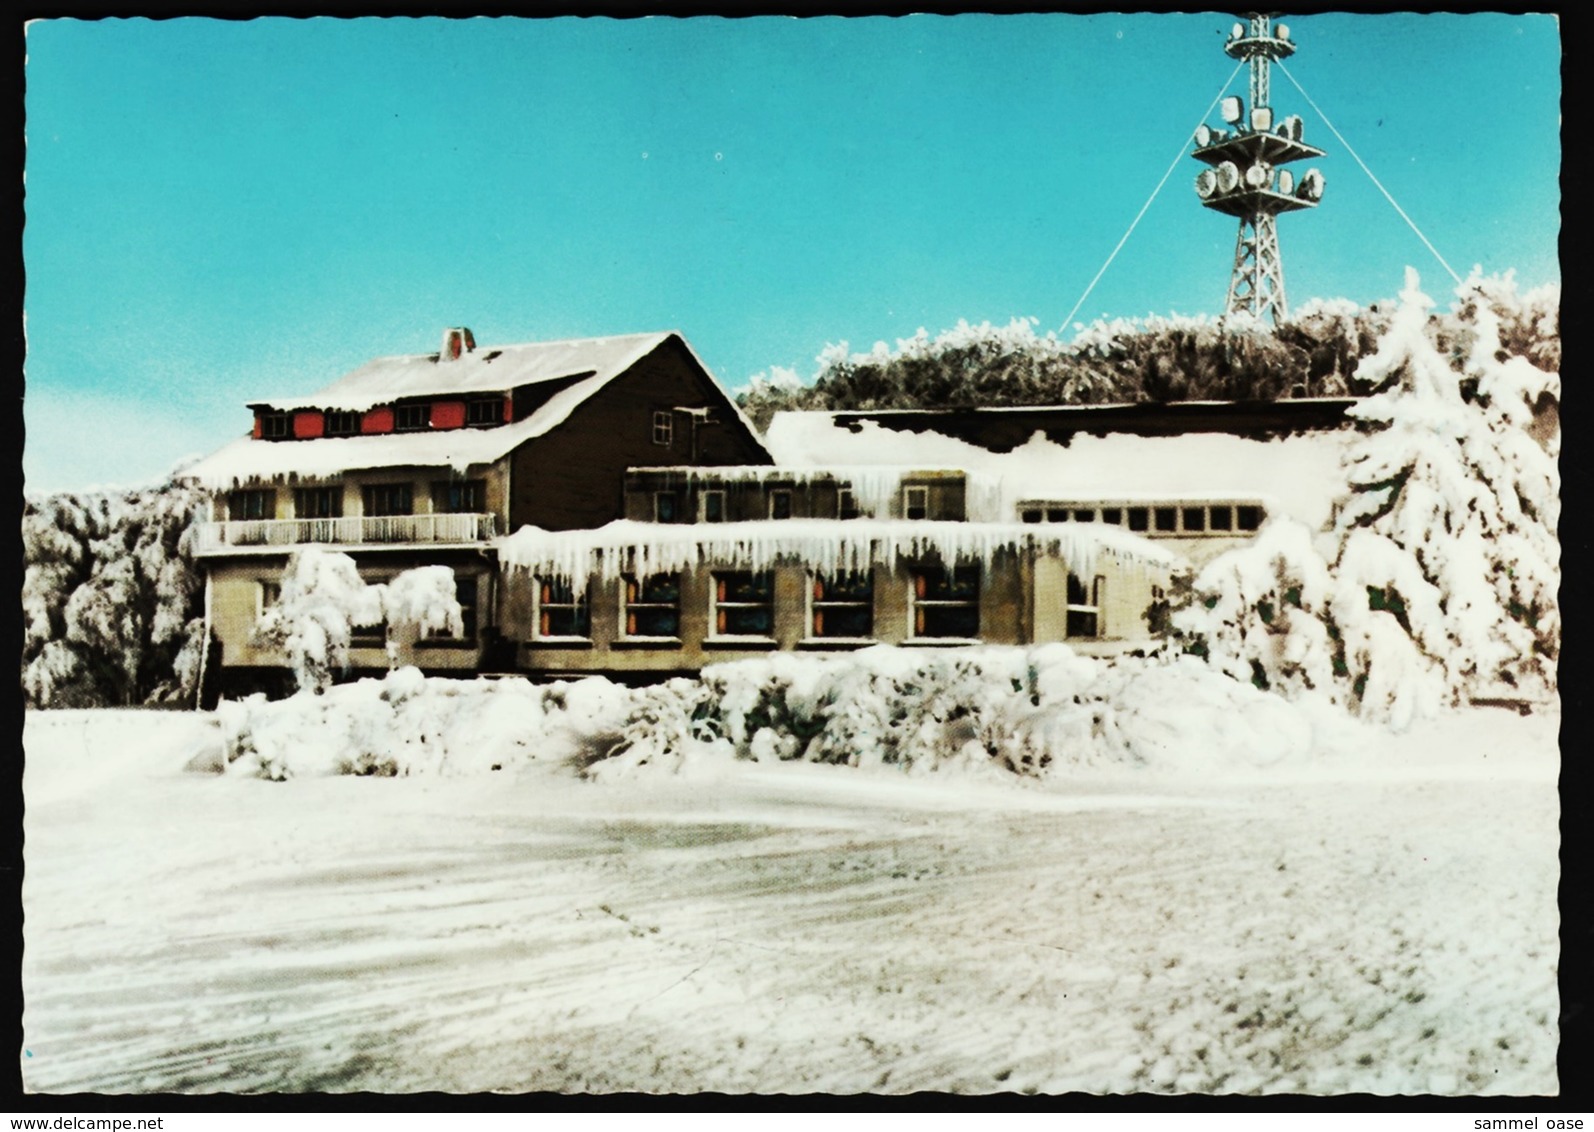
[626, 546]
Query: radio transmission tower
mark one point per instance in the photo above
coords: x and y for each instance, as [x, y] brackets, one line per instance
[1246, 178]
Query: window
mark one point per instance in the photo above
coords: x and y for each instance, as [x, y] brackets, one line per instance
[843, 605]
[252, 505]
[663, 428]
[1195, 519]
[465, 594]
[1222, 518]
[711, 506]
[780, 505]
[946, 603]
[1087, 515]
[1139, 518]
[664, 509]
[342, 424]
[915, 503]
[318, 502]
[484, 411]
[1056, 515]
[1113, 515]
[267, 595]
[460, 497]
[409, 418]
[743, 604]
[1084, 608]
[653, 606]
[1167, 518]
[562, 610]
[389, 499]
[276, 426]
[1031, 515]
[846, 504]
[1250, 516]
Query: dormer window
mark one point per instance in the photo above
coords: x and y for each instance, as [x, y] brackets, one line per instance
[482, 411]
[342, 424]
[410, 418]
[276, 426]
[915, 503]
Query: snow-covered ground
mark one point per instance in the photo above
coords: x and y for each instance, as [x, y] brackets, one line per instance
[1383, 920]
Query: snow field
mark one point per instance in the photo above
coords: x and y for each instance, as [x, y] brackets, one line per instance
[1311, 927]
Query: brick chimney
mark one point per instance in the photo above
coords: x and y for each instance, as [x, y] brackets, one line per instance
[457, 341]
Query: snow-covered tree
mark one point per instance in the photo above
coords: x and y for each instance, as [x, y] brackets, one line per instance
[1450, 527]
[1443, 563]
[324, 598]
[111, 597]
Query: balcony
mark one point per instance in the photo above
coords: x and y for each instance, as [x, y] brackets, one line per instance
[264, 536]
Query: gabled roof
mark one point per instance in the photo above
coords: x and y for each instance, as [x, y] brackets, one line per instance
[493, 369]
[249, 458]
[386, 380]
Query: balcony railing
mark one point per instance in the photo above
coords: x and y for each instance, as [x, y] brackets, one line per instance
[379, 530]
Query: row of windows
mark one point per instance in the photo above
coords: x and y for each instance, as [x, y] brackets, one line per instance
[742, 604]
[943, 604]
[479, 412]
[778, 505]
[1162, 519]
[453, 497]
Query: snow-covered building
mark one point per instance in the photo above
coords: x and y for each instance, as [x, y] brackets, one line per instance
[716, 564]
[427, 459]
[606, 508]
[1196, 478]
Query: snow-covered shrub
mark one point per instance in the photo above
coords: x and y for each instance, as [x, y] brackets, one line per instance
[1000, 713]
[405, 724]
[1261, 613]
[324, 598]
[1030, 713]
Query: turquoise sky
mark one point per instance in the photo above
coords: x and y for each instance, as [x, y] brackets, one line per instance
[220, 210]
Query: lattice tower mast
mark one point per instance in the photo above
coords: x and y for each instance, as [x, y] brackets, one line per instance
[1246, 178]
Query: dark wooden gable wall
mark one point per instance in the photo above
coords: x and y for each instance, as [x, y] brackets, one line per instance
[574, 476]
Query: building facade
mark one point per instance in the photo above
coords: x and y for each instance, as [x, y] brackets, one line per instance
[606, 509]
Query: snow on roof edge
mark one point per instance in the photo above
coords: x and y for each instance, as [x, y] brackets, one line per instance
[626, 545]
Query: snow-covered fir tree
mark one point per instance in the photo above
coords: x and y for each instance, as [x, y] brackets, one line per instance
[1450, 526]
[1438, 580]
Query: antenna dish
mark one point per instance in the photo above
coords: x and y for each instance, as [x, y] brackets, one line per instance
[1237, 31]
[1282, 32]
[1203, 135]
[1262, 118]
[1311, 187]
[1233, 109]
[1228, 177]
[1258, 175]
[1206, 183]
[1286, 182]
